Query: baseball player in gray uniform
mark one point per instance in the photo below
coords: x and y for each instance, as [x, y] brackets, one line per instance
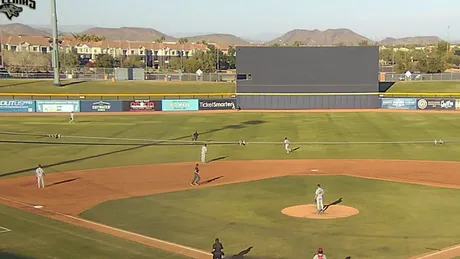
[40, 174]
[196, 176]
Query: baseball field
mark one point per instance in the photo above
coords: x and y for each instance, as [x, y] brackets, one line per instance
[118, 184]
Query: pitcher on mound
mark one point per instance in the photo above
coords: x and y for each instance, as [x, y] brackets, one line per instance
[319, 194]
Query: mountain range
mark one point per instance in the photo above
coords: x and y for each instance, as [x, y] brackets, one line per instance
[306, 37]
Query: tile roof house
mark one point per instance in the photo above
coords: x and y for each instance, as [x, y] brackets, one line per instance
[152, 52]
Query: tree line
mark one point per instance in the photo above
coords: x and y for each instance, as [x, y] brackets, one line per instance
[433, 59]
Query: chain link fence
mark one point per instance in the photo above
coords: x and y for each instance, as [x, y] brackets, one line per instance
[109, 73]
[86, 73]
[422, 77]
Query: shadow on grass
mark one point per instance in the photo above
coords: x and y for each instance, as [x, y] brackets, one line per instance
[295, 149]
[78, 159]
[22, 83]
[74, 82]
[136, 147]
[7, 255]
[242, 125]
[97, 144]
[217, 159]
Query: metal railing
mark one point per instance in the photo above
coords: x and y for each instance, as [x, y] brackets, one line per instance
[103, 96]
[422, 77]
[108, 73]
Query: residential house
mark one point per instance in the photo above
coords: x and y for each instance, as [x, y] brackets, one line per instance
[151, 53]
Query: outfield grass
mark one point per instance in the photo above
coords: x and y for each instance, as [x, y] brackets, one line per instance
[20, 159]
[96, 87]
[426, 87]
[404, 220]
[34, 236]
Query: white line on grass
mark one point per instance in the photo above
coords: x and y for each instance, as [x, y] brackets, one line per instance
[4, 230]
[115, 229]
[439, 252]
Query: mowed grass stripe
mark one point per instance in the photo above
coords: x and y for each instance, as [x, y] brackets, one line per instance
[298, 127]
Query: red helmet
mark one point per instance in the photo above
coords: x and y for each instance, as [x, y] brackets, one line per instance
[320, 250]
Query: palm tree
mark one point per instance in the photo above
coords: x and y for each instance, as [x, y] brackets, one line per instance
[182, 40]
[297, 43]
[161, 39]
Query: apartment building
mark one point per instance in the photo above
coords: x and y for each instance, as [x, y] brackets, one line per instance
[152, 54]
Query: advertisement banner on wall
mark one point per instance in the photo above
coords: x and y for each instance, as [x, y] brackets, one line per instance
[17, 106]
[142, 106]
[457, 104]
[180, 105]
[228, 104]
[101, 106]
[57, 106]
[399, 103]
[433, 104]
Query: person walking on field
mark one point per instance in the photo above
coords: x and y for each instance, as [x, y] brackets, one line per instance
[204, 151]
[286, 145]
[72, 117]
[196, 176]
[320, 254]
[217, 248]
[40, 174]
[195, 136]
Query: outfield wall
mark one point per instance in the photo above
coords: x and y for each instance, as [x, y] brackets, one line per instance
[400, 101]
[309, 101]
[142, 105]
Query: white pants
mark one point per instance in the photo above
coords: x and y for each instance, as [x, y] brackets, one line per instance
[319, 204]
[41, 182]
[203, 157]
[287, 148]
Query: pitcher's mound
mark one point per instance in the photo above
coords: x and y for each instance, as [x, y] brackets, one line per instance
[309, 211]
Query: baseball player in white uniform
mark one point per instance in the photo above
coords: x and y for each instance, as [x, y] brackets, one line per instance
[319, 195]
[204, 151]
[71, 117]
[286, 145]
[40, 173]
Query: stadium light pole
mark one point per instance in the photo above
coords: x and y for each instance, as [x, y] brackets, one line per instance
[55, 51]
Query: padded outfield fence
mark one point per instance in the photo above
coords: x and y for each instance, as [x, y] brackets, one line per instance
[38, 102]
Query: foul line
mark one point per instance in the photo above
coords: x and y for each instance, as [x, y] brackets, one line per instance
[437, 253]
[112, 228]
[4, 230]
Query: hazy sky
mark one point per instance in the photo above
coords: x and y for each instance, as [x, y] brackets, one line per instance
[252, 18]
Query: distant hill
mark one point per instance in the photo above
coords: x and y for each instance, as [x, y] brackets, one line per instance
[317, 37]
[21, 29]
[220, 39]
[63, 29]
[128, 33]
[419, 40]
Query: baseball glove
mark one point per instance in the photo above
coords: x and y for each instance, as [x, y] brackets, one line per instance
[315, 200]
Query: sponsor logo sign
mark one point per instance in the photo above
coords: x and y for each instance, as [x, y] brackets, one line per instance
[101, 106]
[399, 103]
[13, 8]
[180, 105]
[433, 104]
[142, 105]
[58, 106]
[457, 104]
[17, 106]
[217, 104]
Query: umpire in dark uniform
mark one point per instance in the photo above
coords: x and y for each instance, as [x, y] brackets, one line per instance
[217, 248]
